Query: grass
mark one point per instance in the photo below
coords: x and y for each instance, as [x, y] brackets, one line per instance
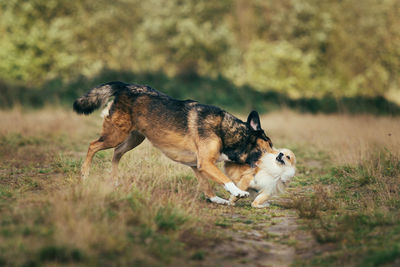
[357, 208]
[48, 215]
[346, 194]
[352, 199]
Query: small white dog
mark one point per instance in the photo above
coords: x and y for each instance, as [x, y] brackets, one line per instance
[273, 172]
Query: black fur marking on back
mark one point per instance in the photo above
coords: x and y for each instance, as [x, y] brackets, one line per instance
[236, 138]
[208, 118]
[172, 112]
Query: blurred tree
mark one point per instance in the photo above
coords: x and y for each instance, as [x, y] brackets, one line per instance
[305, 48]
[42, 40]
[34, 40]
[279, 66]
[183, 37]
[363, 47]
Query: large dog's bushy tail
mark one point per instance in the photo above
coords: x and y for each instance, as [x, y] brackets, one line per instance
[97, 97]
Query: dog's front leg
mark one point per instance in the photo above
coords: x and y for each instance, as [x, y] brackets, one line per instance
[207, 155]
[217, 175]
[261, 201]
[242, 184]
[207, 190]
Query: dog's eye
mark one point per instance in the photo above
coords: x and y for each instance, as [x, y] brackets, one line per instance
[288, 157]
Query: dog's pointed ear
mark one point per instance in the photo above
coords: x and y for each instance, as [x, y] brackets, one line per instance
[253, 120]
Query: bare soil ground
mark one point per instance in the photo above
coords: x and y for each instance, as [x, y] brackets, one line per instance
[274, 241]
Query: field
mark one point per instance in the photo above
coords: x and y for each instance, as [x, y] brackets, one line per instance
[343, 206]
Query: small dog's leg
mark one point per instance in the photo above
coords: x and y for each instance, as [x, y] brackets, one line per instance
[261, 206]
[261, 201]
[243, 184]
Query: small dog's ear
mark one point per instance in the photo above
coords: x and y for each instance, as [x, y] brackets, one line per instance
[253, 120]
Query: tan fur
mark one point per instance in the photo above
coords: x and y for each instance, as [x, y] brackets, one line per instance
[241, 174]
[260, 200]
[191, 138]
[181, 148]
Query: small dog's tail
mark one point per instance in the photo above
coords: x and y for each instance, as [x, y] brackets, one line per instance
[97, 97]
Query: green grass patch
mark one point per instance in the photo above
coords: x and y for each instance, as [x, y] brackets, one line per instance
[60, 254]
[5, 193]
[356, 207]
[199, 255]
[19, 140]
[65, 164]
[382, 256]
[169, 218]
[223, 223]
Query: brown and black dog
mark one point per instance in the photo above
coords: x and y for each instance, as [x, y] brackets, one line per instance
[186, 131]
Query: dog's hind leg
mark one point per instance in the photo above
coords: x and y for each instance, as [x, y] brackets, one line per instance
[94, 147]
[206, 188]
[133, 140]
[112, 135]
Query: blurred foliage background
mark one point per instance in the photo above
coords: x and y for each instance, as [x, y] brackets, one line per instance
[314, 55]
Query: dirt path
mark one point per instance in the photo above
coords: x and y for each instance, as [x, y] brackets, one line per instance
[271, 239]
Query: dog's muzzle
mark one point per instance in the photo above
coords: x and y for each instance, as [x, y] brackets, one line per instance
[279, 158]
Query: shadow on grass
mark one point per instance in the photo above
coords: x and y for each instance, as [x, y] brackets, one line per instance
[218, 91]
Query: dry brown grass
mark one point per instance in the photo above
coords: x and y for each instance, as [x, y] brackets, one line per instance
[45, 212]
[41, 195]
[348, 139]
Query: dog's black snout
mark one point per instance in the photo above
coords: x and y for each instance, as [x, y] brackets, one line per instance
[279, 158]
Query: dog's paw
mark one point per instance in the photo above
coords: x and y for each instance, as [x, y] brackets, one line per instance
[260, 206]
[242, 194]
[219, 200]
[232, 188]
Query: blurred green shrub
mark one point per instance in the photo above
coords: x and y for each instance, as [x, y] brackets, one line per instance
[279, 67]
[303, 49]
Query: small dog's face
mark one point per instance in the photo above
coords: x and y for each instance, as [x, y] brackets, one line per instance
[286, 157]
[280, 164]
